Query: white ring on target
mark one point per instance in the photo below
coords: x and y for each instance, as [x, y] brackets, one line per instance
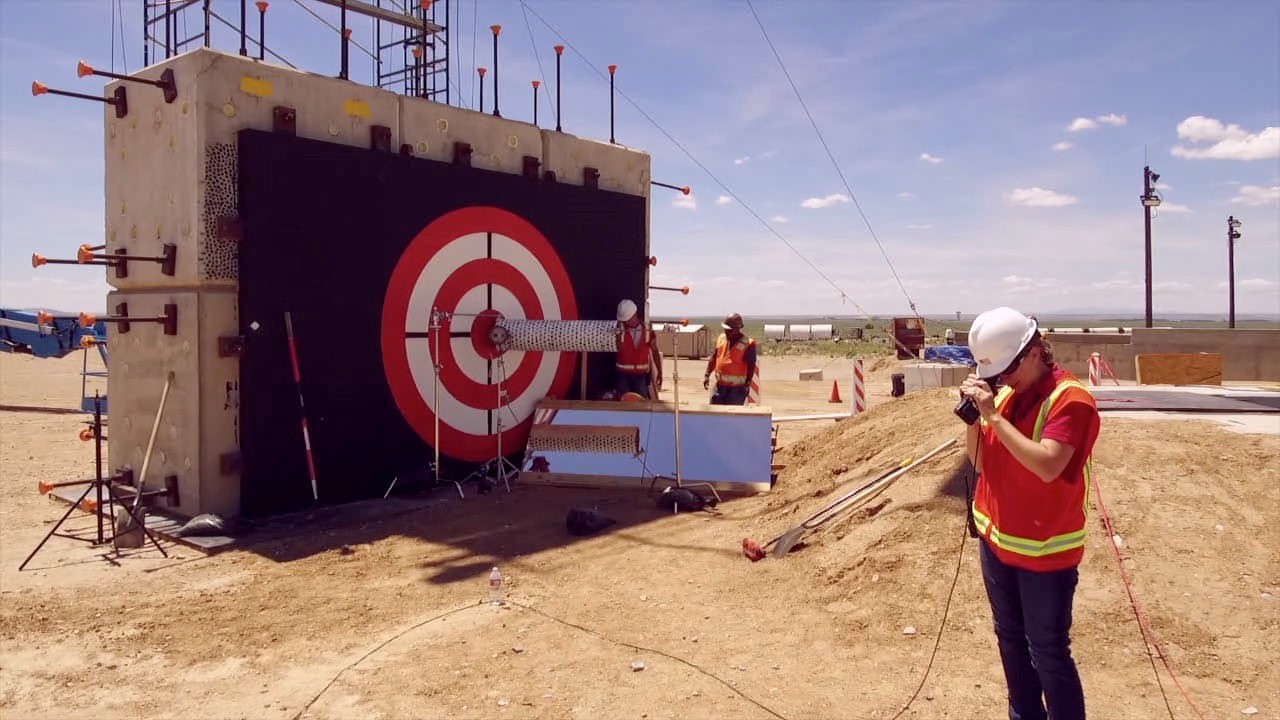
[422, 299]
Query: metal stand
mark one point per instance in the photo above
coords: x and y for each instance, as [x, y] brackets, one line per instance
[437, 325]
[675, 384]
[499, 467]
[96, 485]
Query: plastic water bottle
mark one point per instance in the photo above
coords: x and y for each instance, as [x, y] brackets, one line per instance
[495, 586]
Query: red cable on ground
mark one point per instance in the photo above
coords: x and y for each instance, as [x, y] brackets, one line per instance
[1143, 624]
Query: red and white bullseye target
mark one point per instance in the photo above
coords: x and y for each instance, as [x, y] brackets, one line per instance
[475, 265]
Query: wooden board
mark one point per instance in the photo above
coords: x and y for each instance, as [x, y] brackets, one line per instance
[1179, 369]
[614, 482]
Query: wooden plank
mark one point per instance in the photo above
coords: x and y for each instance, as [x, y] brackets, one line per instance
[615, 482]
[653, 407]
[1179, 368]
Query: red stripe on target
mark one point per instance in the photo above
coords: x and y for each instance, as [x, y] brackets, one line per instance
[445, 261]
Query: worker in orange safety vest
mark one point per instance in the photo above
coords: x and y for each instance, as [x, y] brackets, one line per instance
[638, 363]
[733, 362]
[1031, 447]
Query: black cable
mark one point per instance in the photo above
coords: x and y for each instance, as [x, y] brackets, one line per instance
[534, 46]
[946, 609]
[832, 157]
[566, 623]
[843, 295]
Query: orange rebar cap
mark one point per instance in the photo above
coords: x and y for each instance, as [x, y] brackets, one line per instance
[84, 69]
[496, 29]
[262, 5]
[38, 88]
[559, 49]
[84, 254]
[37, 260]
[87, 320]
[536, 84]
[86, 434]
[482, 71]
[44, 318]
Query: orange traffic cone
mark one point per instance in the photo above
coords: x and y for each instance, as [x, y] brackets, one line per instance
[835, 392]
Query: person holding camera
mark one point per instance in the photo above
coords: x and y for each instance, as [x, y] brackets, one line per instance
[1032, 429]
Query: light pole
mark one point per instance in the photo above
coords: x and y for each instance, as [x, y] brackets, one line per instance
[1233, 234]
[1149, 200]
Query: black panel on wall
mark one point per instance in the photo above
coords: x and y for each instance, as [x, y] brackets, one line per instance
[324, 228]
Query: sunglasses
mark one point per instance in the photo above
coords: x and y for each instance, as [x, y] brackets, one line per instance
[1013, 366]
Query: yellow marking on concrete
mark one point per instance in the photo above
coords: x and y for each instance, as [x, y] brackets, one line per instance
[256, 86]
[357, 108]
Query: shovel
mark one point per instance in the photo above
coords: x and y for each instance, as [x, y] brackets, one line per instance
[784, 542]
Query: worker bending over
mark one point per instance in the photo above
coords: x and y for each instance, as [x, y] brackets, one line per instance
[733, 362]
[638, 359]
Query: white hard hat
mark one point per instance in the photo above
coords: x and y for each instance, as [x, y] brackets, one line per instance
[996, 337]
[626, 309]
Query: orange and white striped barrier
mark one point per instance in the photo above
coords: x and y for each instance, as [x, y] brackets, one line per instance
[753, 391]
[1097, 366]
[859, 388]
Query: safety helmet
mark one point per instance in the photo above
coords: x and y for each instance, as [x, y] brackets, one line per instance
[733, 322]
[997, 337]
[626, 310]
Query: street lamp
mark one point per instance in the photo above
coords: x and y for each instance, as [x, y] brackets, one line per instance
[1149, 200]
[1233, 234]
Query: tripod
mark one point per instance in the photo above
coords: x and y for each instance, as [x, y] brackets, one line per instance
[499, 466]
[675, 385]
[98, 483]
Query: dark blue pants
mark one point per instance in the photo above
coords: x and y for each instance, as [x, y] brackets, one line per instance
[1032, 613]
[632, 382]
[724, 395]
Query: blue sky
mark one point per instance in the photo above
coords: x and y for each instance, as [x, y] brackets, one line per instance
[996, 148]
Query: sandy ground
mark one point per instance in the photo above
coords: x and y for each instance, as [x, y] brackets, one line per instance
[378, 613]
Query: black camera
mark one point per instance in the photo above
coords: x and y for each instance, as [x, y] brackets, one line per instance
[967, 409]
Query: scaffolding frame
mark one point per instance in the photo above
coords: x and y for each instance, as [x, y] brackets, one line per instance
[411, 55]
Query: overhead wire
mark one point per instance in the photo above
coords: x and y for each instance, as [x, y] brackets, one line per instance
[840, 292]
[844, 296]
[854, 198]
[542, 75]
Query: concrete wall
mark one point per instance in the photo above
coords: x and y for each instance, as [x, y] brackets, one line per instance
[171, 177]
[1246, 354]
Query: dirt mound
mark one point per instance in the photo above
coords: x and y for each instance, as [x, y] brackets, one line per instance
[868, 444]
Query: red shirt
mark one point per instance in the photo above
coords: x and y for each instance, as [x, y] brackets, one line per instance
[1019, 504]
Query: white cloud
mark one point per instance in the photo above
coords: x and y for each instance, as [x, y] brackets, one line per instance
[1257, 284]
[1040, 197]
[724, 200]
[923, 226]
[1257, 195]
[1228, 142]
[930, 159]
[779, 219]
[823, 202]
[906, 195]
[1015, 280]
[742, 160]
[1168, 207]
[686, 202]
[1064, 145]
[1084, 123]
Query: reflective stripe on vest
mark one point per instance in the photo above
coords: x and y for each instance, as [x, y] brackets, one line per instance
[730, 366]
[1057, 543]
[633, 357]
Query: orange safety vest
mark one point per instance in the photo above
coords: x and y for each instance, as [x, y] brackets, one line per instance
[731, 363]
[633, 355]
[1027, 522]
